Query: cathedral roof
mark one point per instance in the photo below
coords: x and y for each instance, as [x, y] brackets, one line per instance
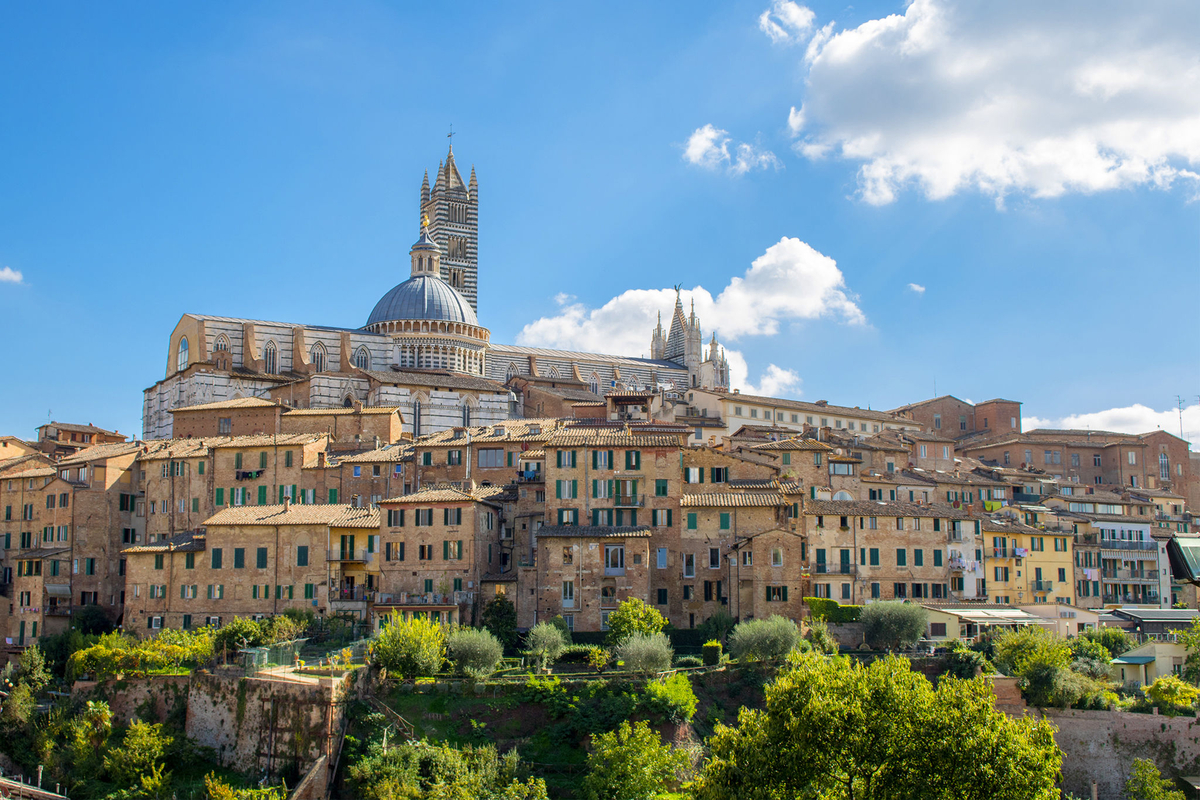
[423, 297]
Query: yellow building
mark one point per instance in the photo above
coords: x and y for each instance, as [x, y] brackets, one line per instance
[1026, 565]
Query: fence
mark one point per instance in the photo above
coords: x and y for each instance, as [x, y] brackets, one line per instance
[257, 660]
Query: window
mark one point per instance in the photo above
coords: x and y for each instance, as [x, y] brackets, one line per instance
[491, 458]
[614, 559]
[453, 457]
[714, 558]
[719, 474]
[776, 556]
[778, 594]
[660, 487]
[724, 520]
[568, 594]
[1132, 458]
[689, 565]
[937, 422]
[691, 521]
[216, 558]
[239, 558]
[661, 558]
[270, 359]
[962, 422]
[260, 558]
[787, 459]
[362, 358]
[693, 475]
[662, 517]
[1164, 467]
[874, 551]
[633, 459]
[181, 358]
[901, 557]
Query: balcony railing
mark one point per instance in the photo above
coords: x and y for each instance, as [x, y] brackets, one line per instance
[1043, 586]
[1131, 574]
[958, 564]
[629, 501]
[425, 598]
[611, 571]
[358, 593]
[1125, 544]
[530, 477]
[1000, 552]
[349, 555]
[57, 611]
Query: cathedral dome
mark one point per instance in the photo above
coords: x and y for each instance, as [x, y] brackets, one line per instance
[423, 297]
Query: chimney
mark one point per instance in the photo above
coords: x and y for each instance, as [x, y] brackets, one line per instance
[321, 459]
[287, 502]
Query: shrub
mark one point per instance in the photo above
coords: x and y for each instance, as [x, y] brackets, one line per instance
[598, 658]
[689, 661]
[833, 612]
[893, 625]
[763, 639]
[238, 634]
[1091, 667]
[962, 662]
[820, 638]
[1090, 649]
[1147, 783]
[475, 653]
[672, 697]
[1049, 685]
[711, 653]
[633, 616]
[1172, 695]
[574, 654]
[544, 642]
[560, 623]
[645, 652]
[1016, 651]
[500, 617]
[411, 648]
[1115, 640]
[630, 763]
[717, 626]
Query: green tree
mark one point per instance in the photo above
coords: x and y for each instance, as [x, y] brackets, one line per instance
[139, 756]
[1018, 650]
[18, 709]
[1083, 647]
[500, 617]
[1190, 639]
[92, 621]
[475, 653]
[429, 771]
[1171, 694]
[820, 638]
[411, 648]
[835, 729]
[631, 763]
[559, 622]
[718, 626]
[643, 652]
[97, 726]
[1115, 640]
[238, 634]
[633, 616]
[545, 642]
[673, 697]
[31, 669]
[1147, 783]
[767, 639]
[893, 625]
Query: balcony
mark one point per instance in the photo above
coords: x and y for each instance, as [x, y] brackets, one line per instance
[530, 477]
[57, 611]
[1120, 544]
[629, 501]
[1000, 552]
[614, 572]
[1042, 586]
[956, 536]
[1131, 575]
[957, 564]
[361, 556]
[424, 598]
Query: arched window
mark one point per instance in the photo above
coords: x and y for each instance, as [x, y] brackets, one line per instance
[317, 357]
[222, 343]
[270, 359]
[843, 496]
[594, 384]
[553, 372]
[362, 358]
[181, 360]
[513, 371]
[348, 402]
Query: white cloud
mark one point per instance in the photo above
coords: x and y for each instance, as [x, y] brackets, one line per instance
[916, 288]
[1023, 97]
[10, 275]
[790, 281]
[787, 22]
[1136, 418]
[775, 382]
[709, 147]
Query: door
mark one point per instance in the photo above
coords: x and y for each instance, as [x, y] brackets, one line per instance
[21, 640]
[347, 550]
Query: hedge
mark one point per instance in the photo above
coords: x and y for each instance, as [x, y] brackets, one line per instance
[831, 611]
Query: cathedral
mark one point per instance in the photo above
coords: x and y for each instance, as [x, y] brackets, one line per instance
[422, 348]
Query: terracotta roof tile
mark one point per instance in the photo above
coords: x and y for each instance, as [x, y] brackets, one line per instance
[237, 402]
[335, 516]
[732, 500]
[593, 531]
[882, 508]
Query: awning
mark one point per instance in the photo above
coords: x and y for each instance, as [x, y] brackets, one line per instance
[1184, 554]
[1133, 660]
[58, 590]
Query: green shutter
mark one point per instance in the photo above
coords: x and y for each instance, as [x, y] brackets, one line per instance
[558, 458]
[295, 496]
[768, 594]
[262, 495]
[611, 464]
[595, 487]
[460, 549]
[691, 521]
[558, 490]
[446, 550]
[574, 489]
[610, 488]
[332, 496]
[595, 459]
[220, 499]
[785, 594]
[669, 515]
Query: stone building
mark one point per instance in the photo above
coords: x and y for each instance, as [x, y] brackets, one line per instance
[436, 546]
[584, 572]
[1026, 564]
[58, 439]
[860, 552]
[250, 561]
[958, 419]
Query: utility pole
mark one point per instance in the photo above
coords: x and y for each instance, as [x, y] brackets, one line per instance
[1179, 399]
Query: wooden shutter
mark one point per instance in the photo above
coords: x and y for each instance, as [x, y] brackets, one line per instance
[446, 550]
[574, 489]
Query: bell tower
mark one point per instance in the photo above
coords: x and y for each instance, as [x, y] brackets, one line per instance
[452, 208]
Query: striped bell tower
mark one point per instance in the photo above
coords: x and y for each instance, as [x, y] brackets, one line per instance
[452, 207]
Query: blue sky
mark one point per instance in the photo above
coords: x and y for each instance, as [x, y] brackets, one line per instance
[264, 160]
